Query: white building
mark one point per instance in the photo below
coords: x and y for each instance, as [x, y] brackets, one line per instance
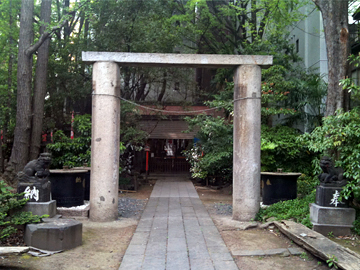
[309, 40]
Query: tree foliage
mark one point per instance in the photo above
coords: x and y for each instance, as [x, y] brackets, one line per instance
[27, 103]
[227, 27]
[338, 137]
[77, 151]
[137, 26]
[213, 154]
[72, 152]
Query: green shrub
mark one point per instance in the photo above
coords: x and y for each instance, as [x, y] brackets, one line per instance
[297, 210]
[75, 152]
[10, 214]
[212, 155]
[72, 152]
[67, 152]
[338, 138]
[280, 149]
[306, 185]
[356, 228]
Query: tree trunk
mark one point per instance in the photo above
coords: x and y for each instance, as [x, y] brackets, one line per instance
[20, 151]
[40, 83]
[67, 30]
[141, 89]
[335, 20]
[1, 154]
[253, 21]
[9, 91]
[163, 89]
[126, 93]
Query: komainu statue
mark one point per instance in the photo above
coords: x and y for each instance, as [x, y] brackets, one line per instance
[33, 180]
[331, 175]
[38, 167]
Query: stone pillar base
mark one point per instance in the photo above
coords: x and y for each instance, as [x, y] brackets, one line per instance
[325, 196]
[41, 208]
[335, 230]
[38, 191]
[54, 235]
[335, 220]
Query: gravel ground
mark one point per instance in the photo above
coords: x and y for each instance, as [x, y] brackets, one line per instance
[131, 208]
[223, 209]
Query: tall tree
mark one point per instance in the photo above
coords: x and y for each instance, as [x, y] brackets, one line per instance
[40, 83]
[335, 20]
[24, 114]
[69, 80]
[20, 152]
[9, 34]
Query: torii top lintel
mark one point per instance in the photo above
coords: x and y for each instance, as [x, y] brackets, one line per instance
[177, 60]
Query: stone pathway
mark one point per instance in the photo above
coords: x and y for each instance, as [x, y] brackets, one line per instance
[176, 232]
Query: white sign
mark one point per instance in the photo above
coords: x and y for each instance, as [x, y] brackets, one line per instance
[31, 193]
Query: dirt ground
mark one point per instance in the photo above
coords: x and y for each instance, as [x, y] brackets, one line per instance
[104, 244]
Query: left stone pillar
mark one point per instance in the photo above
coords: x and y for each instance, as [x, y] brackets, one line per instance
[247, 142]
[105, 140]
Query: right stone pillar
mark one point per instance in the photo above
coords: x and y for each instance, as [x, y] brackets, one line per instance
[247, 142]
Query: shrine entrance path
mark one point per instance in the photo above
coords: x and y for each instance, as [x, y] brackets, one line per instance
[176, 232]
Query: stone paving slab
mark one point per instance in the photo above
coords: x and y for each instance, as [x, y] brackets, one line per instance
[177, 260]
[257, 252]
[296, 251]
[134, 249]
[269, 252]
[176, 232]
[276, 251]
[201, 264]
[225, 265]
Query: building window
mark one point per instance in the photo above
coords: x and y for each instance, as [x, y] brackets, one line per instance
[297, 45]
[177, 86]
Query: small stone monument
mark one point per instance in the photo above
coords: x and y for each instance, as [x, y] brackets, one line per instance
[34, 183]
[53, 233]
[328, 214]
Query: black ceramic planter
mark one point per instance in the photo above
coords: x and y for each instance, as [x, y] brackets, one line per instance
[87, 181]
[67, 187]
[278, 186]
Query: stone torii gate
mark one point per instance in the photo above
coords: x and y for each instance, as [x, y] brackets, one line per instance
[106, 124]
